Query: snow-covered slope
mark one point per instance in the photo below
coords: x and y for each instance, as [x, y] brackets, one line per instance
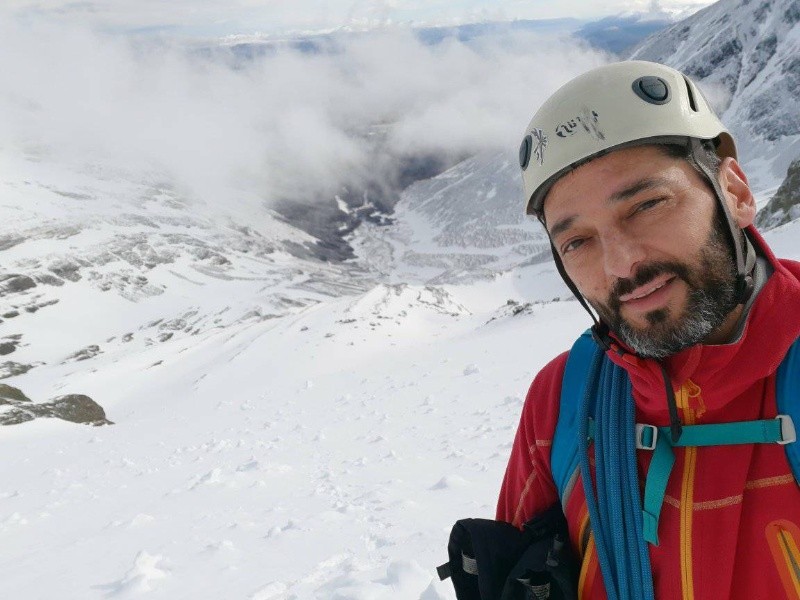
[111, 259]
[275, 426]
[317, 455]
[785, 204]
[746, 56]
[323, 454]
[467, 223]
[464, 224]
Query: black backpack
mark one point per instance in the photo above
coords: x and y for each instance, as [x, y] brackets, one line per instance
[493, 560]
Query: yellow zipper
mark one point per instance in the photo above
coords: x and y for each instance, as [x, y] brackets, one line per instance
[688, 390]
[783, 537]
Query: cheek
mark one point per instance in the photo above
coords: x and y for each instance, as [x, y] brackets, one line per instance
[591, 283]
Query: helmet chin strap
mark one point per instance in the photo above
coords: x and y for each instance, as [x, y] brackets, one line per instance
[600, 330]
[744, 268]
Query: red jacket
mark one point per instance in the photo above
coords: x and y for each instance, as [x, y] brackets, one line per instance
[730, 524]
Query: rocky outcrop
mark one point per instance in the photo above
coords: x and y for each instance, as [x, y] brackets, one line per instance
[743, 51]
[85, 353]
[11, 368]
[10, 394]
[15, 283]
[75, 408]
[9, 343]
[743, 55]
[785, 204]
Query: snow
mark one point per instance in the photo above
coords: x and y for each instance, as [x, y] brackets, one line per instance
[283, 428]
[743, 56]
[324, 452]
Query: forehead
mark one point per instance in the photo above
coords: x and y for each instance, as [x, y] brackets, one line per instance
[614, 176]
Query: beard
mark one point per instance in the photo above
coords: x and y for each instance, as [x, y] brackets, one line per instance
[711, 298]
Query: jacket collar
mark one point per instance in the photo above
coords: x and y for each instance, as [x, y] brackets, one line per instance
[724, 371]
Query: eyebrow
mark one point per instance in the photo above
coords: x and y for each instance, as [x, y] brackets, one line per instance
[562, 226]
[639, 186]
[629, 192]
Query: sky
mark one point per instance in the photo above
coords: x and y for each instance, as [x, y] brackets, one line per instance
[230, 17]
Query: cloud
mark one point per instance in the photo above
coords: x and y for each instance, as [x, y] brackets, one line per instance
[285, 125]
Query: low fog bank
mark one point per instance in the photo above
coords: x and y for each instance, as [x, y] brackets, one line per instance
[289, 126]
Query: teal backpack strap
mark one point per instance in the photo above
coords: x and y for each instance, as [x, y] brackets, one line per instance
[787, 391]
[564, 457]
[564, 451]
[779, 430]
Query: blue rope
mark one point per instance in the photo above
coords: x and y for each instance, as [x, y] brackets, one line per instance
[613, 443]
[615, 511]
[641, 576]
[584, 414]
[607, 475]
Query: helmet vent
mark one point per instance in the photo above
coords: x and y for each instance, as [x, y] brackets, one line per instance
[652, 89]
[690, 93]
[525, 152]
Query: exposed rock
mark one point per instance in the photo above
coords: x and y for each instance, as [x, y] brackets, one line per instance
[48, 279]
[11, 314]
[512, 308]
[66, 269]
[15, 416]
[12, 284]
[173, 325]
[35, 307]
[85, 353]
[11, 369]
[75, 408]
[72, 195]
[7, 348]
[785, 204]
[9, 392]
[10, 240]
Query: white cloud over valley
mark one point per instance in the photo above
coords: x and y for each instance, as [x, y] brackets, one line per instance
[285, 124]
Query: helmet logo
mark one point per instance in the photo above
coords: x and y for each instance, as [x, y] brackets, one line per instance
[587, 122]
[539, 146]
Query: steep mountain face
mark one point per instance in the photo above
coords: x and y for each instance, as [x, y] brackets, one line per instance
[744, 54]
[785, 204]
[467, 223]
[462, 225]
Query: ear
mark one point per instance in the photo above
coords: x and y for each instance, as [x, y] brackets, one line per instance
[737, 192]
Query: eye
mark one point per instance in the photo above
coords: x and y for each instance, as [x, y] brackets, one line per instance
[572, 245]
[647, 205]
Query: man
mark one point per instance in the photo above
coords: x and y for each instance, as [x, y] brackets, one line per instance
[651, 223]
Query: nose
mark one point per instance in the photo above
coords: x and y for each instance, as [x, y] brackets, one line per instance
[621, 253]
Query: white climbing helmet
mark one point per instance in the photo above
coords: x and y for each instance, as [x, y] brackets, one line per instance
[622, 104]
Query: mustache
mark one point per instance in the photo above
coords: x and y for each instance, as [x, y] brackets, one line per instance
[644, 275]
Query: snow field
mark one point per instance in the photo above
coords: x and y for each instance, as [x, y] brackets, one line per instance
[320, 455]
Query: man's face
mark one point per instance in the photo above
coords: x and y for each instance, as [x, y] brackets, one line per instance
[637, 233]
